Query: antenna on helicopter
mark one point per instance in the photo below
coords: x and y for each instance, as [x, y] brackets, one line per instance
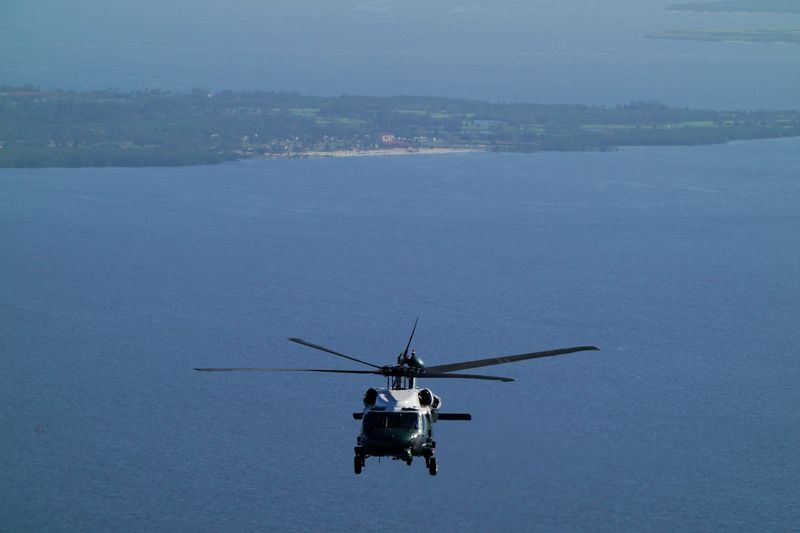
[405, 352]
[404, 360]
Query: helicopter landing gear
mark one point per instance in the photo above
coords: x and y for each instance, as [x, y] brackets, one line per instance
[432, 467]
[407, 456]
[359, 460]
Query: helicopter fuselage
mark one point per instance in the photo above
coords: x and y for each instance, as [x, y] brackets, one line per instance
[397, 423]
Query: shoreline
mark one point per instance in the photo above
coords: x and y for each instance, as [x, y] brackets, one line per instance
[370, 153]
[394, 152]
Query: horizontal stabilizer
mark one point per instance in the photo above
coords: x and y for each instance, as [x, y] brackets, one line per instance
[358, 416]
[454, 416]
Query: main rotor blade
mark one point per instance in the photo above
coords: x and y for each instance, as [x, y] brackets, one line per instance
[286, 370]
[506, 359]
[324, 349]
[426, 375]
[405, 352]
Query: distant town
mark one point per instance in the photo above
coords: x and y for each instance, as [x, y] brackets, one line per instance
[58, 128]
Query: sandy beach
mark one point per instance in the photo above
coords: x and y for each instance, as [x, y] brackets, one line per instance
[376, 152]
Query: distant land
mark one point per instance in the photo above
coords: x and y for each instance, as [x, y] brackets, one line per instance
[782, 35]
[741, 6]
[56, 128]
[790, 34]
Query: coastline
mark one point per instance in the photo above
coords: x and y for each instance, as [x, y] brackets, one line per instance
[372, 153]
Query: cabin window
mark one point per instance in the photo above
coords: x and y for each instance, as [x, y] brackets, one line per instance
[407, 421]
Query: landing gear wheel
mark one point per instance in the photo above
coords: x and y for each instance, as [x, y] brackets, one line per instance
[358, 462]
[409, 461]
[427, 462]
[432, 468]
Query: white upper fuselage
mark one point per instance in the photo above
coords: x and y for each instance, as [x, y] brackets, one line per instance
[395, 400]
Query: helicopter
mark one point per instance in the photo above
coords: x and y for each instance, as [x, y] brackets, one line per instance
[397, 421]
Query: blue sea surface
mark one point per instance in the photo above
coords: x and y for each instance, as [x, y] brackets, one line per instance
[681, 264]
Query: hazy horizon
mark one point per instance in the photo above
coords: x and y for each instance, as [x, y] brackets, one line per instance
[541, 51]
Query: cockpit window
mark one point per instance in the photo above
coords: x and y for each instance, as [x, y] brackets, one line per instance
[407, 421]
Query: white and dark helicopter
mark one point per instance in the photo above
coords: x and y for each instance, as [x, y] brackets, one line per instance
[397, 421]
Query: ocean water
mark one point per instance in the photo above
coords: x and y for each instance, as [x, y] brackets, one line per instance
[681, 264]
